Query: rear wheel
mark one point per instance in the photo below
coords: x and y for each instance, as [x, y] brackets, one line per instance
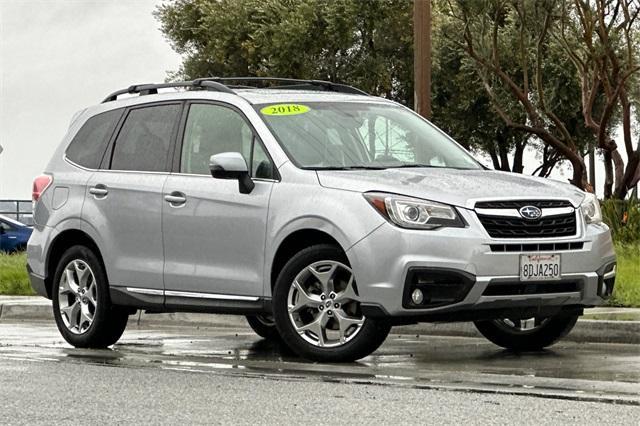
[264, 326]
[527, 334]
[81, 305]
[317, 308]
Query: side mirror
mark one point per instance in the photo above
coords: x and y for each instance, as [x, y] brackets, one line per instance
[231, 165]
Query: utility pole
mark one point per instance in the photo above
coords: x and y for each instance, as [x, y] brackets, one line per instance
[592, 167]
[422, 56]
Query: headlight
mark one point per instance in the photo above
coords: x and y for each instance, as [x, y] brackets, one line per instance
[414, 213]
[591, 209]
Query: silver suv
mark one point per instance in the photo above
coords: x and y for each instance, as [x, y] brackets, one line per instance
[324, 215]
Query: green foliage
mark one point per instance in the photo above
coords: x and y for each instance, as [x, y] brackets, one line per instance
[13, 275]
[367, 44]
[627, 289]
[623, 217]
[461, 106]
[506, 61]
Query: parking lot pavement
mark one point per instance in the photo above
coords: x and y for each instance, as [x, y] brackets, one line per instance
[470, 373]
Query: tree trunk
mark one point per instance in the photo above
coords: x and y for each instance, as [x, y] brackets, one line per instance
[623, 186]
[579, 178]
[518, 158]
[608, 174]
[618, 165]
[503, 150]
[494, 158]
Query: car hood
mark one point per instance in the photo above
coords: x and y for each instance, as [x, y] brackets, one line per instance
[451, 186]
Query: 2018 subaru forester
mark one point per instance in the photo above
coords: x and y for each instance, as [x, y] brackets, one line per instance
[331, 216]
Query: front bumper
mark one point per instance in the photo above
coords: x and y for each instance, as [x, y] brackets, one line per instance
[383, 260]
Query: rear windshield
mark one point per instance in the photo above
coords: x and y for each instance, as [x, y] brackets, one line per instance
[345, 135]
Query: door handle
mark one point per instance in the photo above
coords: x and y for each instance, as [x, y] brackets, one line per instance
[100, 191]
[175, 198]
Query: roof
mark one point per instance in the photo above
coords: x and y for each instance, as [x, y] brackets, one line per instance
[261, 96]
[252, 89]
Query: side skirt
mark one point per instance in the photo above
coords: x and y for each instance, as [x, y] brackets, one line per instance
[160, 301]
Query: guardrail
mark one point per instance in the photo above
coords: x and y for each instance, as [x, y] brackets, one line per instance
[20, 210]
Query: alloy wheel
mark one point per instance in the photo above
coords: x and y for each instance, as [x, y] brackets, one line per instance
[323, 304]
[77, 296]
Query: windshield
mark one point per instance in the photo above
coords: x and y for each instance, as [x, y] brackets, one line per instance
[345, 135]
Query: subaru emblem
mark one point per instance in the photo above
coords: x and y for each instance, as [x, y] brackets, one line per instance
[530, 212]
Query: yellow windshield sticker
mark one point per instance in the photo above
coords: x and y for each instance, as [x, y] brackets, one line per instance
[285, 109]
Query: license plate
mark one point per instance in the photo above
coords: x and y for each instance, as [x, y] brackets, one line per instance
[539, 267]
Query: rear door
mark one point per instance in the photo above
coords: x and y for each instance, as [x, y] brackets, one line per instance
[124, 200]
[214, 237]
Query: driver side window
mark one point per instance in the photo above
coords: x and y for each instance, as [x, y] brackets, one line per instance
[213, 129]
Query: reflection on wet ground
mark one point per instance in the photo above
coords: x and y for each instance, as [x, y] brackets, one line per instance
[568, 370]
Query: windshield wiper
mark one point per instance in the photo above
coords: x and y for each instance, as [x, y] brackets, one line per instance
[406, 166]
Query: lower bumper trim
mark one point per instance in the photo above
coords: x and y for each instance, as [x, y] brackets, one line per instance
[469, 314]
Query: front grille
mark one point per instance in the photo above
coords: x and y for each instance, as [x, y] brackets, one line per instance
[516, 204]
[563, 225]
[520, 288]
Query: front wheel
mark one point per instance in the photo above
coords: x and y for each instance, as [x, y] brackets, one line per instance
[317, 308]
[81, 305]
[530, 334]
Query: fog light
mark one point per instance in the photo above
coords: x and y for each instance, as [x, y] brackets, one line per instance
[417, 297]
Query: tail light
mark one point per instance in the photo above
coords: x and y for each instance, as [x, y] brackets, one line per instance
[40, 184]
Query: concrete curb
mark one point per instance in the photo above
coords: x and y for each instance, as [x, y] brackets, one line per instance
[586, 330]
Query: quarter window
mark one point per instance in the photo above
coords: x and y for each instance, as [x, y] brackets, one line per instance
[145, 138]
[213, 129]
[90, 143]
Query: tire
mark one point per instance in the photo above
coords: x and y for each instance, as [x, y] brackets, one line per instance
[93, 322]
[504, 333]
[264, 326]
[346, 334]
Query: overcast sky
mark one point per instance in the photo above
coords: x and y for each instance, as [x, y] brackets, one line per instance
[57, 57]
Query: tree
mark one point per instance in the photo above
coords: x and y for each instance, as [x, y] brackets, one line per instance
[600, 37]
[597, 37]
[484, 52]
[367, 44]
[520, 29]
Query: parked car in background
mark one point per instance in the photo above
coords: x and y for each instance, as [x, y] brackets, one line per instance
[13, 235]
[331, 216]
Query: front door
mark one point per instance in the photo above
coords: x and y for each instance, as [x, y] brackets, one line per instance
[214, 236]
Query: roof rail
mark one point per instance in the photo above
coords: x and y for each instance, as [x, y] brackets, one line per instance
[152, 89]
[292, 83]
[218, 84]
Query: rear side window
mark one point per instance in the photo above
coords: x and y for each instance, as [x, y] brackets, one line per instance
[90, 143]
[145, 138]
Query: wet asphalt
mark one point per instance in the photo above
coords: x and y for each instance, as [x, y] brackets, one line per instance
[166, 374]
